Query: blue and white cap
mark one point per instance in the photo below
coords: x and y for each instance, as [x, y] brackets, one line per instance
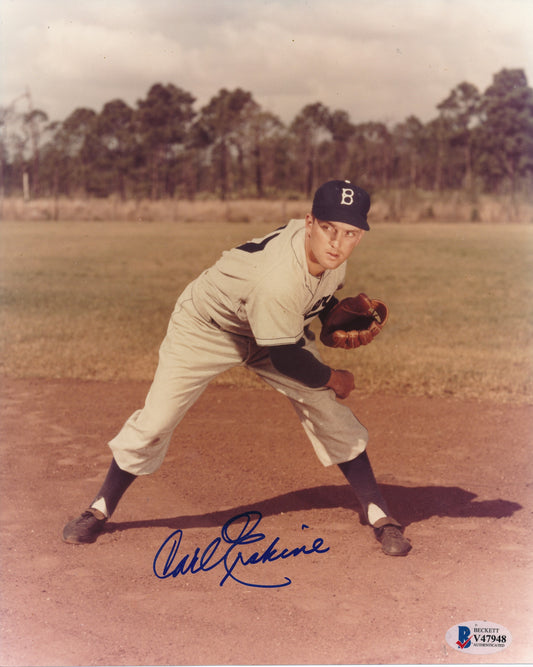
[340, 201]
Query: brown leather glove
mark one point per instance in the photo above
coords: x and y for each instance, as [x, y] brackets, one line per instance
[354, 321]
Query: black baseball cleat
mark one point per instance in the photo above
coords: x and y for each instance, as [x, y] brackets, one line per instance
[85, 529]
[393, 543]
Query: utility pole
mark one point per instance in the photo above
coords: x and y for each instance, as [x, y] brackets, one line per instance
[4, 120]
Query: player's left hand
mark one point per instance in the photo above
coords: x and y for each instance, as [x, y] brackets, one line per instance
[354, 321]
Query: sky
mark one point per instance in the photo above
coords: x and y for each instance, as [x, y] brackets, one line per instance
[378, 60]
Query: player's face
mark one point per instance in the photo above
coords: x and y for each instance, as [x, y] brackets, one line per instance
[329, 244]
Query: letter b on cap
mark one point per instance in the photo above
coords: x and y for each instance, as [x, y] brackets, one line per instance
[347, 196]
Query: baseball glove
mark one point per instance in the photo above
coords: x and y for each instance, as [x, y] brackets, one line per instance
[354, 321]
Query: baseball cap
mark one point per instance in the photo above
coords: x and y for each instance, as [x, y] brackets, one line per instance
[340, 201]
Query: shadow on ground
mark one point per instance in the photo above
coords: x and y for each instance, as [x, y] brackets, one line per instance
[415, 504]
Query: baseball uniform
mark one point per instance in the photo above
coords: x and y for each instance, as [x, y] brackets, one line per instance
[258, 295]
[253, 308]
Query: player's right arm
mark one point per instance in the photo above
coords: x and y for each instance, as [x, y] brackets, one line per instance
[299, 364]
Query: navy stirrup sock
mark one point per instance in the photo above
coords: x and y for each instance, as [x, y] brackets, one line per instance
[360, 475]
[113, 488]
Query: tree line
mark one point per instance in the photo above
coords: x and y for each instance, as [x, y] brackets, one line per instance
[233, 148]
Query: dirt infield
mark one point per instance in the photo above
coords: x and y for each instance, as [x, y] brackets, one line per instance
[457, 473]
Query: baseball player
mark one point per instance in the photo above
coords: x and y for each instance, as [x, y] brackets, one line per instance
[253, 307]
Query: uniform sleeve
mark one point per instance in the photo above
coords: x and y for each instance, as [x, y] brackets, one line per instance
[299, 364]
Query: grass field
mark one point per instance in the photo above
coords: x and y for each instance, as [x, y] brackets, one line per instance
[92, 301]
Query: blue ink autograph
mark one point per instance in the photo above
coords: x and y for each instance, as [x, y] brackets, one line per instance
[166, 563]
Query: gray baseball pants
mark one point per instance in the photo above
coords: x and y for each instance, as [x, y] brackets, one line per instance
[192, 354]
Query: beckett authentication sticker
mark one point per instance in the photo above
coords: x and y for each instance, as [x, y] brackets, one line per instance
[478, 637]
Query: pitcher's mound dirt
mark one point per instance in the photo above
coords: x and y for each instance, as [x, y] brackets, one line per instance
[458, 475]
